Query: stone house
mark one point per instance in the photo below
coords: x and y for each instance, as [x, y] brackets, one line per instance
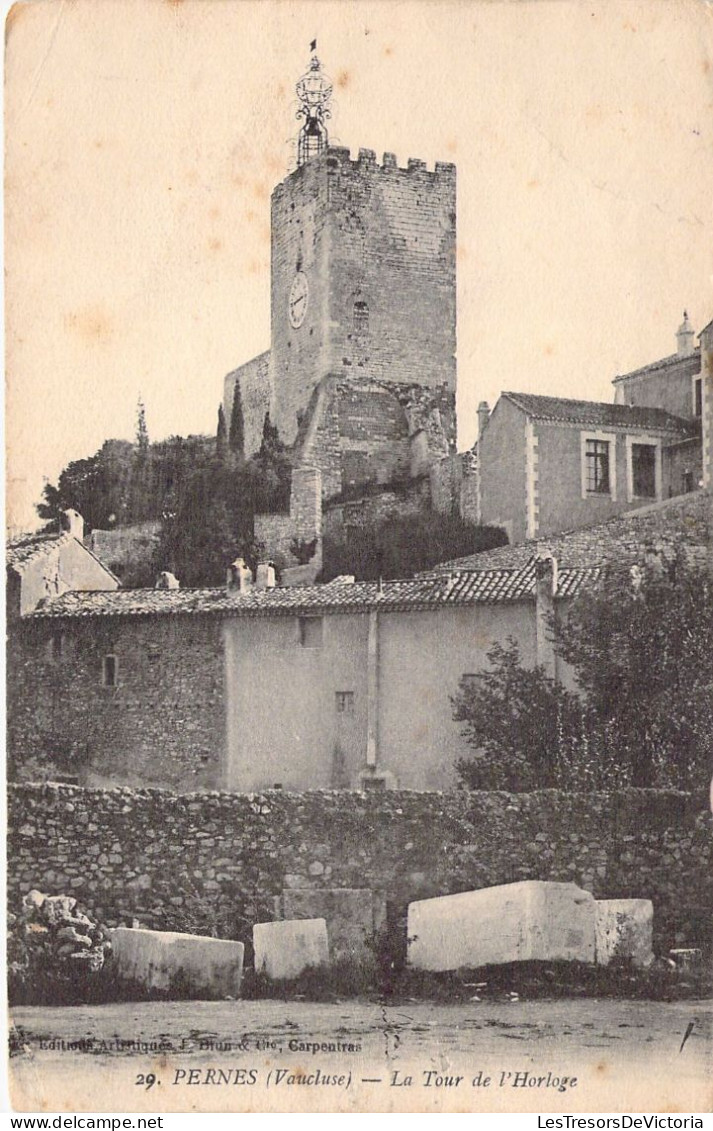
[547, 464]
[345, 685]
[42, 566]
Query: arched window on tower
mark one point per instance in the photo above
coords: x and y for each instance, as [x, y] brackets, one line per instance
[361, 317]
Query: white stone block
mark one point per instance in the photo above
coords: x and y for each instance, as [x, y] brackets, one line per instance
[624, 929]
[532, 920]
[202, 966]
[352, 916]
[287, 948]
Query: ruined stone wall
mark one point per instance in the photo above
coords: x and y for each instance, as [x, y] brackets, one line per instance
[255, 394]
[161, 722]
[371, 509]
[126, 547]
[360, 431]
[454, 486]
[277, 532]
[274, 534]
[215, 861]
[682, 468]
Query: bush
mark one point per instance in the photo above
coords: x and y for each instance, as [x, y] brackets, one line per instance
[401, 546]
[642, 710]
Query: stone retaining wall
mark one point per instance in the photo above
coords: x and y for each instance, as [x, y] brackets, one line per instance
[218, 862]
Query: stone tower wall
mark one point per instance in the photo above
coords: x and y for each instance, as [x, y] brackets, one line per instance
[300, 242]
[393, 249]
[255, 392]
[377, 246]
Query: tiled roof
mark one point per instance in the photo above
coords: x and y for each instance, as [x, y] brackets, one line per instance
[683, 522]
[662, 363]
[417, 594]
[559, 410]
[21, 551]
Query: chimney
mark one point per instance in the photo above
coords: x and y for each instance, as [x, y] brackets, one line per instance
[545, 591]
[265, 575]
[483, 417]
[684, 337]
[73, 523]
[239, 577]
[166, 580]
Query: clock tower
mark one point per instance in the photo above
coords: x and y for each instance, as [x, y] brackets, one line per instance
[361, 371]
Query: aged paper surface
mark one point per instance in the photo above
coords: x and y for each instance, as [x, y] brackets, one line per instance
[143, 141]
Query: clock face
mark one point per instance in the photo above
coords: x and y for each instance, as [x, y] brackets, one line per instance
[299, 294]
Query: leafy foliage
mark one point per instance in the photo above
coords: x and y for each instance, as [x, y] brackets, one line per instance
[221, 435]
[641, 712]
[400, 546]
[303, 550]
[204, 495]
[236, 435]
[142, 432]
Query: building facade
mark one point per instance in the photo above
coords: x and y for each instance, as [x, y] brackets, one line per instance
[43, 566]
[342, 686]
[548, 464]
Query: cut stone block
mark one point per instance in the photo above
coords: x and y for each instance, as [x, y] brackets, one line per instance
[203, 967]
[352, 916]
[531, 920]
[286, 949]
[624, 929]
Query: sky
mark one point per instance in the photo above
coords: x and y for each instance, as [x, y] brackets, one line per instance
[144, 138]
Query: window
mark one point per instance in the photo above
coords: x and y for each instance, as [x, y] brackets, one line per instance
[596, 467]
[373, 782]
[643, 470]
[56, 646]
[109, 671]
[344, 702]
[697, 397]
[361, 317]
[643, 467]
[310, 632]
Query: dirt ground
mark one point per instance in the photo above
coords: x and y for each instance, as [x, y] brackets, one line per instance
[552, 1056]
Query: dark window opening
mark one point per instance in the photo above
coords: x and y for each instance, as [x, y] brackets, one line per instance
[344, 702]
[643, 465]
[109, 673]
[597, 467]
[310, 632]
[361, 317]
[697, 397]
[57, 646]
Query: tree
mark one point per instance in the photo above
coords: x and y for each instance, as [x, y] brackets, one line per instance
[641, 711]
[142, 432]
[268, 473]
[400, 546]
[84, 486]
[221, 438]
[236, 435]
